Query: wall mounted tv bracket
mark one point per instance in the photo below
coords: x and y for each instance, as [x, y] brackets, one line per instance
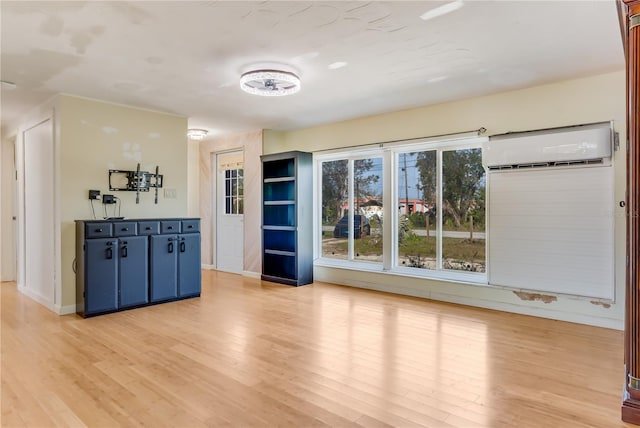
[136, 181]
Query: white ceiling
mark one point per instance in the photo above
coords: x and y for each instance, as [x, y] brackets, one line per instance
[186, 57]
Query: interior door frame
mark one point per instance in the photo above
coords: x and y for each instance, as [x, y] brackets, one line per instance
[214, 202]
[54, 301]
[8, 210]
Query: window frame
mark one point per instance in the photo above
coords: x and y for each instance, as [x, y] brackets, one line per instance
[390, 154]
[229, 195]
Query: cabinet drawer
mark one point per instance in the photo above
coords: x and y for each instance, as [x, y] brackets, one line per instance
[125, 228]
[148, 227]
[190, 226]
[172, 226]
[98, 230]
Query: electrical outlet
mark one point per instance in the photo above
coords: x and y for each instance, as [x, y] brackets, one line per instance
[108, 199]
[170, 194]
[94, 194]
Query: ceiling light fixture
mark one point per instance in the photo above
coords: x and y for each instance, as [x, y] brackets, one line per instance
[270, 83]
[197, 134]
[442, 10]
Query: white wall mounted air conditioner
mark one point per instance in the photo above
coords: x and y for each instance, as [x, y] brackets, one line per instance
[584, 144]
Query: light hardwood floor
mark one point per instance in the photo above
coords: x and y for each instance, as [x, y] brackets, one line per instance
[251, 353]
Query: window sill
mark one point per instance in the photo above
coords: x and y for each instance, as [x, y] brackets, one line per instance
[469, 278]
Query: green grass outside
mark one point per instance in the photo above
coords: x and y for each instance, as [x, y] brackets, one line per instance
[414, 245]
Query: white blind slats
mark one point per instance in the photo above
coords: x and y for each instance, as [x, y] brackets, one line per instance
[552, 230]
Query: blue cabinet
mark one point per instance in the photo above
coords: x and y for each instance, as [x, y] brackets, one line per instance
[189, 273]
[117, 273]
[131, 263]
[102, 255]
[164, 267]
[175, 262]
[133, 271]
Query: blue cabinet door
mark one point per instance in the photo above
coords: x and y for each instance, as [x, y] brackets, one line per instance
[189, 265]
[133, 259]
[101, 291]
[164, 267]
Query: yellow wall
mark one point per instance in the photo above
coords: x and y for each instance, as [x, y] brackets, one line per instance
[590, 99]
[97, 136]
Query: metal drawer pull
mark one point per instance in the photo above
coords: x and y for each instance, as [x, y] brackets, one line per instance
[147, 228]
[124, 229]
[170, 247]
[183, 247]
[98, 230]
[109, 253]
[190, 227]
[170, 227]
[124, 252]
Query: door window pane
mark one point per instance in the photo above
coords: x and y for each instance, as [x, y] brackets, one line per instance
[234, 193]
[417, 214]
[463, 210]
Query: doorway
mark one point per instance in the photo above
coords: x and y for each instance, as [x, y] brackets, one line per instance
[8, 264]
[229, 248]
[38, 262]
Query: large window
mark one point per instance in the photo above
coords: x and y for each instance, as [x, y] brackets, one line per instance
[457, 242]
[463, 210]
[417, 213]
[351, 209]
[335, 196]
[433, 211]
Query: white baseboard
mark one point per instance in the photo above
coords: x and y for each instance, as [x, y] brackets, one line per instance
[37, 297]
[250, 274]
[65, 310]
[559, 315]
[246, 273]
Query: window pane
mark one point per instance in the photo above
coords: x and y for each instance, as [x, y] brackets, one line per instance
[228, 205]
[335, 175]
[367, 222]
[417, 196]
[240, 206]
[240, 182]
[463, 210]
[234, 187]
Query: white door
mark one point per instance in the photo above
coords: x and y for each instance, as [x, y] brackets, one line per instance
[39, 238]
[230, 212]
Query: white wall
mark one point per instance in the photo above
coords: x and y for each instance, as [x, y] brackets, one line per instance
[193, 178]
[578, 101]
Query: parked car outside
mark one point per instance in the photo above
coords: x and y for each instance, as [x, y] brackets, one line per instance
[361, 227]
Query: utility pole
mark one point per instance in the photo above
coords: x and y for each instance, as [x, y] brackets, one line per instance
[406, 186]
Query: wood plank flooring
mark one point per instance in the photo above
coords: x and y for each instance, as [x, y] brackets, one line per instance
[252, 353]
